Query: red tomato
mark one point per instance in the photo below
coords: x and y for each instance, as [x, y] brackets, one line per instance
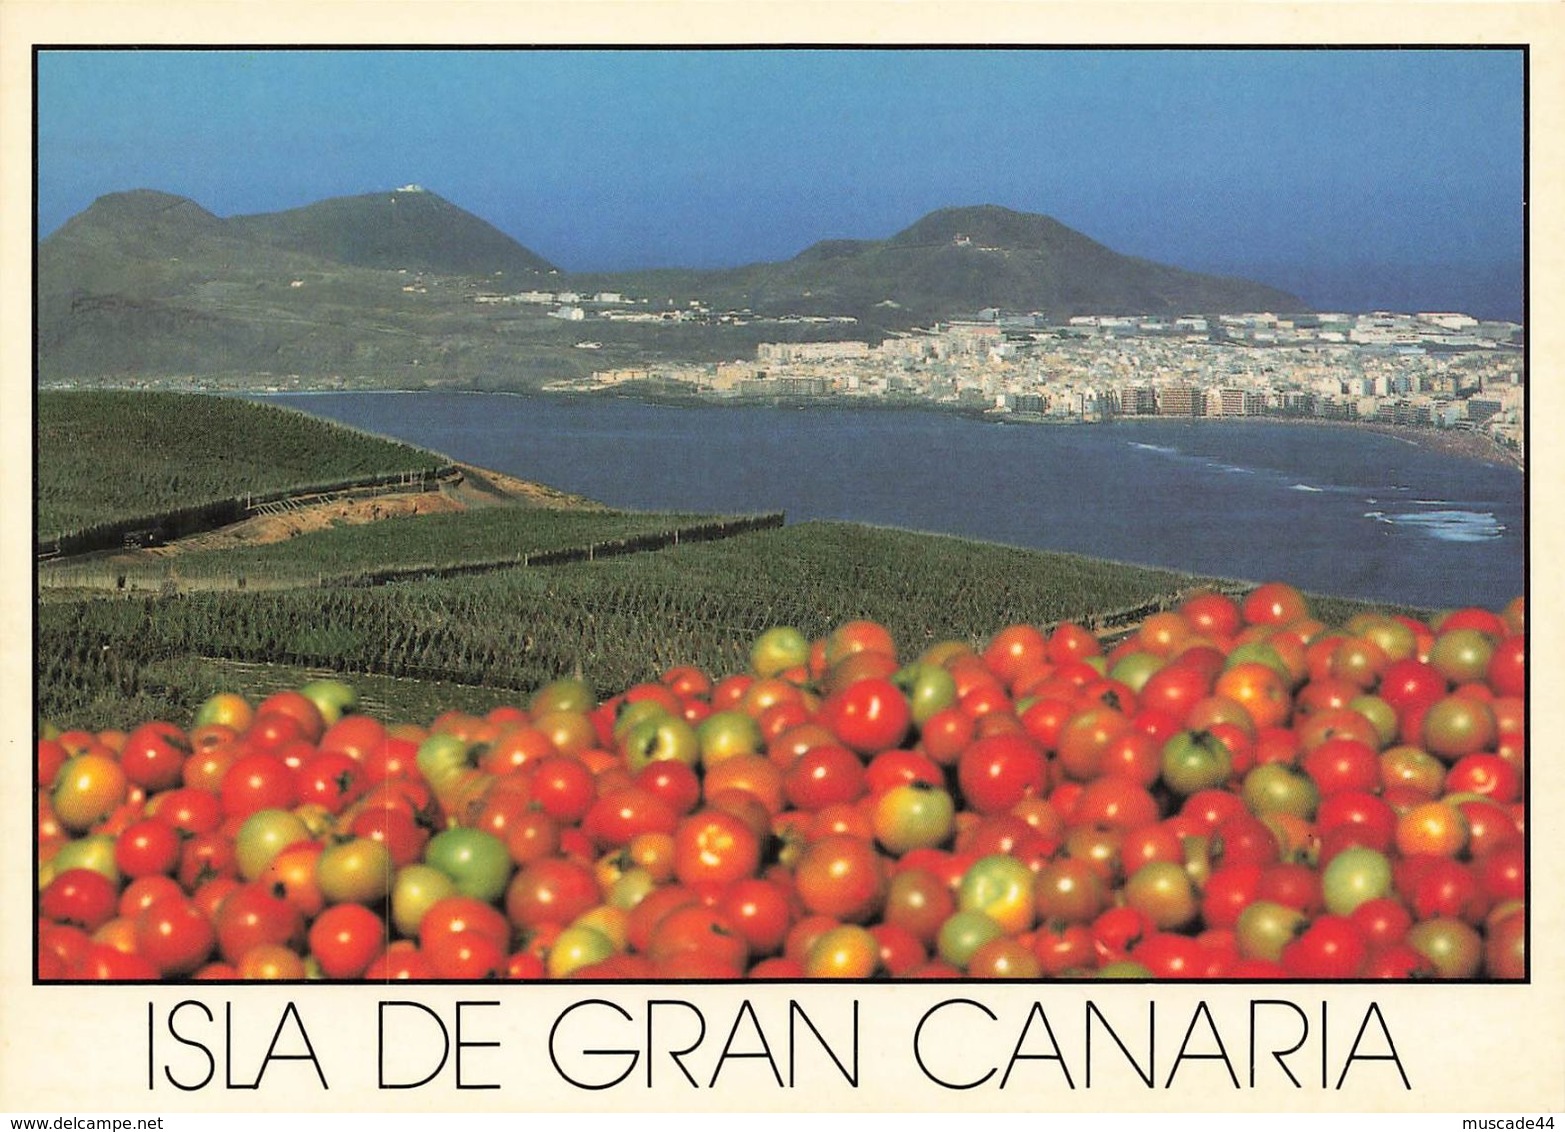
[998, 771]
[1332, 947]
[823, 776]
[841, 876]
[147, 847]
[761, 911]
[1273, 604]
[258, 782]
[154, 754]
[252, 915]
[174, 936]
[715, 846]
[868, 716]
[83, 897]
[345, 939]
[554, 890]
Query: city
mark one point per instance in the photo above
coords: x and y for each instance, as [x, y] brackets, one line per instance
[1436, 370]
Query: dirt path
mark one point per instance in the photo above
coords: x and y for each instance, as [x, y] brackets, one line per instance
[478, 487]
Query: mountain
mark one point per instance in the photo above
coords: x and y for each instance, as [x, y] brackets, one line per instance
[409, 228]
[957, 261]
[148, 283]
[383, 289]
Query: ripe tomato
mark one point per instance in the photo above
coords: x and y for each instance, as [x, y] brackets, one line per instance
[857, 636]
[174, 936]
[296, 706]
[552, 890]
[147, 847]
[1212, 614]
[83, 897]
[1259, 688]
[841, 876]
[868, 716]
[251, 916]
[1332, 947]
[998, 771]
[1015, 649]
[1085, 738]
[1273, 604]
[715, 846]
[619, 815]
[450, 927]
[257, 782]
[153, 755]
[823, 776]
[1339, 765]
[1114, 801]
[345, 939]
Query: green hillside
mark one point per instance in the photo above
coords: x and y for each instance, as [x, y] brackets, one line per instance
[406, 229]
[109, 455]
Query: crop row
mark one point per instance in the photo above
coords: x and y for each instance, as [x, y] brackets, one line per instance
[615, 621]
[438, 545]
[106, 455]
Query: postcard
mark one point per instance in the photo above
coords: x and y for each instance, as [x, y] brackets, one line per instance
[774, 558]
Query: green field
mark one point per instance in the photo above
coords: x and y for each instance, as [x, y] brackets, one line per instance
[104, 456]
[109, 661]
[350, 553]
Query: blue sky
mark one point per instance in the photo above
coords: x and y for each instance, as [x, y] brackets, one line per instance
[1339, 169]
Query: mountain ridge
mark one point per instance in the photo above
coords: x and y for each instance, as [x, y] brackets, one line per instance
[145, 281]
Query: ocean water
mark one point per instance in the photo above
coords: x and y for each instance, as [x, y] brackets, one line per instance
[1332, 510]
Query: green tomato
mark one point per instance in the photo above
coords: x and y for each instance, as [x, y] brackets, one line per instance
[440, 756]
[1134, 669]
[95, 852]
[913, 815]
[332, 698]
[777, 650]
[633, 712]
[963, 933]
[1195, 761]
[930, 689]
[356, 871]
[1260, 652]
[563, 695]
[416, 889]
[1124, 969]
[1265, 927]
[1162, 890]
[577, 946]
[654, 740]
[1003, 889]
[263, 835]
[1353, 876]
[476, 860]
[1276, 788]
[724, 734]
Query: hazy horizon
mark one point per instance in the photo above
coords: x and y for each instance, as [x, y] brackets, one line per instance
[1359, 178]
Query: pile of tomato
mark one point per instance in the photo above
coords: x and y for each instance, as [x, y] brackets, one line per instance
[1233, 790]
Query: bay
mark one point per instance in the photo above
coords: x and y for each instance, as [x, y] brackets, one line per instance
[1330, 509]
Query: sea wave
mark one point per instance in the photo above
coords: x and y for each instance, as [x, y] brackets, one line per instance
[1446, 525]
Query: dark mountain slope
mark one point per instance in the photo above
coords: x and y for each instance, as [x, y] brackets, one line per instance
[408, 228]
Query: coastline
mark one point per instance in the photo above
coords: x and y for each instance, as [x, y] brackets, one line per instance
[1469, 444]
